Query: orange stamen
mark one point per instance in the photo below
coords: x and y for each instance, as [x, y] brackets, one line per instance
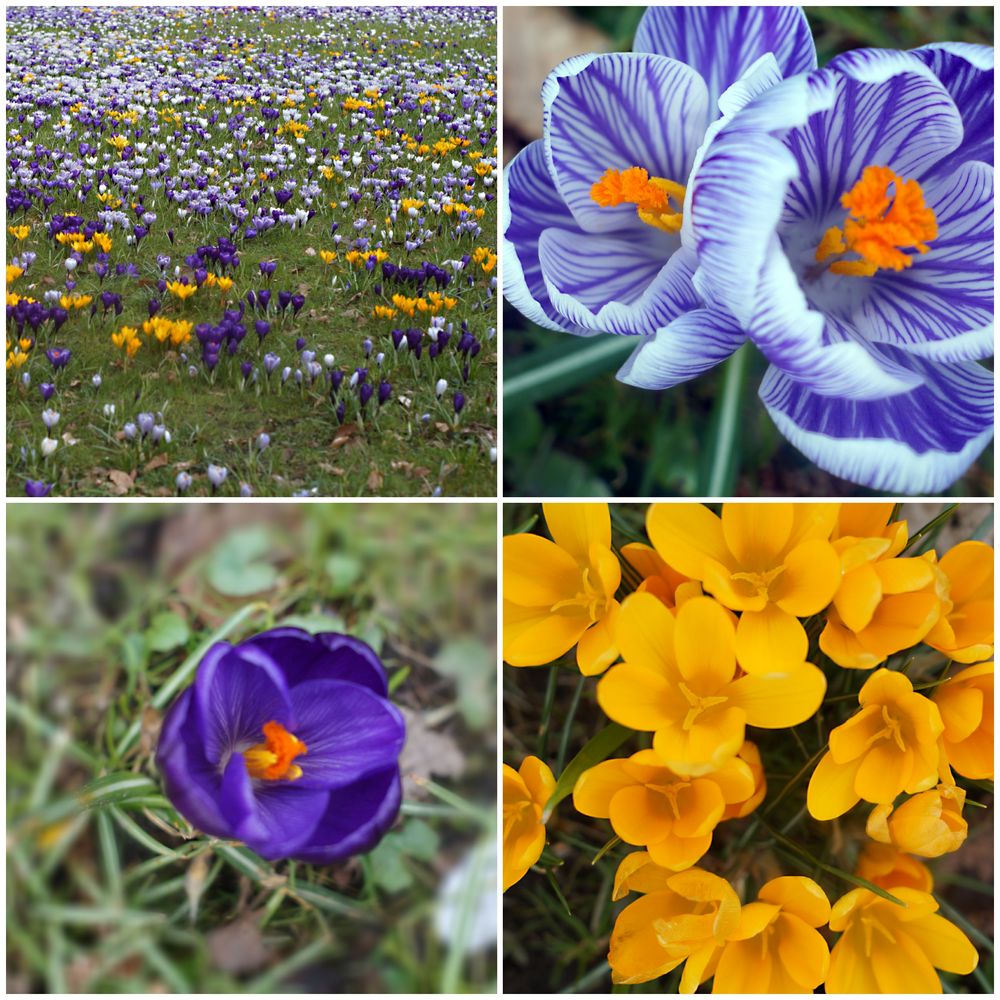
[272, 760]
[879, 226]
[650, 195]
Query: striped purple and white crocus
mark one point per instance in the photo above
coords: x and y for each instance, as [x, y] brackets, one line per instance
[844, 218]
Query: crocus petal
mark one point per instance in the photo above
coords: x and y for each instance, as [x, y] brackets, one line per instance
[942, 306]
[349, 733]
[969, 568]
[770, 641]
[966, 72]
[537, 571]
[636, 955]
[743, 968]
[778, 701]
[850, 965]
[538, 779]
[677, 853]
[237, 692]
[687, 535]
[575, 526]
[901, 967]
[831, 788]
[902, 620]
[635, 697]
[644, 629]
[638, 815]
[701, 806]
[597, 648]
[530, 204]
[944, 944]
[803, 952]
[858, 597]
[810, 578]
[607, 111]
[917, 442]
[533, 636]
[721, 43]
[800, 896]
[705, 745]
[704, 643]
[756, 533]
[598, 785]
[356, 817]
[884, 771]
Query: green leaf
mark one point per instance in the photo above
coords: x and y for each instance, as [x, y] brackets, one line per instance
[469, 664]
[598, 748]
[167, 631]
[388, 869]
[115, 788]
[237, 566]
[313, 623]
[344, 571]
[419, 840]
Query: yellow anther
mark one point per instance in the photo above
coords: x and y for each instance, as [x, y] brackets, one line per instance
[272, 760]
[651, 196]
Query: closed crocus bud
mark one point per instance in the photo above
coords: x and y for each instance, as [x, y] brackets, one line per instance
[50, 418]
[246, 490]
[246, 367]
[379, 358]
[262, 327]
[458, 402]
[365, 392]
[366, 346]
[109, 410]
[285, 373]
[96, 381]
[158, 433]
[928, 824]
[341, 412]
[493, 455]
[49, 445]
[26, 379]
[440, 388]
[182, 482]
[328, 360]
[69, 264]
[130, 431]
[145, 422]
[217, 475]
[300, 343]
[36, 488]
[298, 301]
[263, 440]
[384, 392]
[46, 389]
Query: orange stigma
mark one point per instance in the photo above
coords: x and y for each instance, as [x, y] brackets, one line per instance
[650, 195]
[272, 759]
[879, 226]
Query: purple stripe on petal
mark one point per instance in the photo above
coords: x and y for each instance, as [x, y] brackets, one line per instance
[348, 732]
[721, 43]
[236, 694]
[915, 442]
[530, 204]
[285, 818]
[618, 111]
[355, 820]
[942, 306]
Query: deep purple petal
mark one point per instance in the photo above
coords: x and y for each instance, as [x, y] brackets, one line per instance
[942, 306]
[916, 442]
[966, 71]
[355, 819]
[192, 783]
[620, 110]
[236, 695]
[721, 43]
[531, 204]
[302, 657]
[348, 731]
[683, 349]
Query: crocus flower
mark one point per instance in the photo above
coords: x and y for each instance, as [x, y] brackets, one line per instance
[889, 747]
[887, 948]
[217, 475]
[58, 357]
[561, 593]
[46, 389]
[888, 867]
[964, 632]
[183, 482]
[928, 824]
[672, 816]
[36, 488]
[965, 702]
[776, 947]
[592, 213]
[862, 268]
[681, 917]
[772, 562]
[525, 792]
[287, 742]
[678, 681]
[458, 402]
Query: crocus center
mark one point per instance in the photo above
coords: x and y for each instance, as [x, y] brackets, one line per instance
[871, 925]
[698, 704]
[886, 216]
[272, 759]
[658, 202]
[761, 580]
[590, 597]
[670, 793]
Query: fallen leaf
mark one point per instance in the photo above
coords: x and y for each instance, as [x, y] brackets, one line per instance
[123, 482]
[344, 434]
[375, 480]
[441, 426]
[155, 463]
[238, 947]
[427, 753]
[68, 438]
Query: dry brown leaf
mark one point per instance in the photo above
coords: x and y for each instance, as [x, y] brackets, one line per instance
[155, 463]
[238, 947]
[122, 482]
[375, 480]
[427, 753]
[345, 432]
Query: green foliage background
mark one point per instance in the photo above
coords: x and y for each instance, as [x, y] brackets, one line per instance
[576, 431]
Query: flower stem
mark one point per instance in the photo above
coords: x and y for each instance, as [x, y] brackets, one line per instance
[721, 473]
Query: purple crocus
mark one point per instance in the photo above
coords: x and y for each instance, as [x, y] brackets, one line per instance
[864, 268]
[287, 742]
[36, 488]
[58, 357]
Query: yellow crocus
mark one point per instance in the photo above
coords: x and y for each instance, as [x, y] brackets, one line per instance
[679, 680]
[887, 948]
[181, 290]
[19, 232]
[966, 705]
[561, 593]
[773, 562]
[928, 824]
[650, 806]
[525, 793]
[888, 867]
[658, 578]
[889, 747]
[750, 756]
[776, 947]
[681, 917]
[965, 631]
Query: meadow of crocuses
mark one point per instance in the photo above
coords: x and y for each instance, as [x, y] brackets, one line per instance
[251, 251]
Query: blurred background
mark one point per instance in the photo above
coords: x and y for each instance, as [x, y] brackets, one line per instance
[574, 430]
[557, 920]
[105, 604]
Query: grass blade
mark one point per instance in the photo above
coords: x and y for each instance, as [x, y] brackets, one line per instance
[598, 748]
